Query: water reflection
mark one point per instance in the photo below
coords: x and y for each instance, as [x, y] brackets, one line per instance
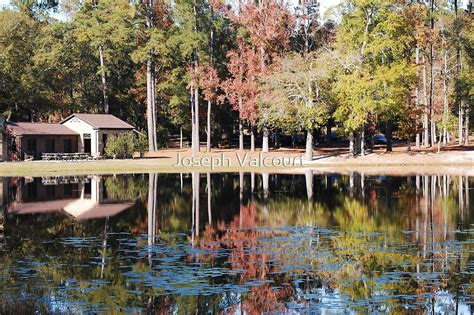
[244, 242]
[80, 197]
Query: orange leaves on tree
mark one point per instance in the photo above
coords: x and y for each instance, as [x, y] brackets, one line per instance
[266, 33]
[242, 88]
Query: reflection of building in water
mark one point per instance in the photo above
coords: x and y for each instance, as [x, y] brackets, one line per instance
[80, 197]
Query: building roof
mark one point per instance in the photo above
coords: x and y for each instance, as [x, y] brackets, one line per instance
[93, 211]
[101, 121]
[38, 207]
[38, 128]
[104, 210]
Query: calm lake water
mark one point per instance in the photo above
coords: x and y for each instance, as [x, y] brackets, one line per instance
[237, 243]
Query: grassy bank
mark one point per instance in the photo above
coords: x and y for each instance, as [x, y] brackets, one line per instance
[403, 163]
[38, 168]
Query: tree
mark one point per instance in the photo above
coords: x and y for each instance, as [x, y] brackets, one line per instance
[154, 17]
[463, 38]
[298, 92]
[265, 27]
[241, 88]
[189, 36]
[209, 82]
[375, 77]
[22, 96]
[307, 37]
[107, 26]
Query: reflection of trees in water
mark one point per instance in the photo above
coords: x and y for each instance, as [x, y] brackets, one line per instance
[380, 211]
[240, 240]
[126, 187]
[369, 256]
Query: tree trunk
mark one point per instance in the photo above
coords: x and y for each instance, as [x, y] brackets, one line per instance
[265, 180]
[241, 186]
[151, 209]
[241, 135]
[434, 138]
[426, 127]
[208, 142]
[150, 103]
[153, 94]
[458, 72]
[461, 197]
[357, 143]
[196, 203]
[103, 74]
[466, 128]
[265, 148]
[196, 117]
[351, 144]
[252, 182]
[193, 123]
[195, 103]
[241, 128]
[252, 138]
[150, 87]
[209, 200]
[389, 135]
[417, 92]
[431, 61]
[309, 146]
[460, 124]
[445, 99]
[362, 142]
[417, 140]
[211, 57]
[467, 191]
[308, 174]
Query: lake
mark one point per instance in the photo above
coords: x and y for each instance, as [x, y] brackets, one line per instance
[237, 243]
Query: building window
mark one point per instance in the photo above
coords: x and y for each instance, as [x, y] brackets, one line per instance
[67, 146]
[50, 145]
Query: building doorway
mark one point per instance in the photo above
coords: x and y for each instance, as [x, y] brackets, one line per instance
[104, 142]
[31, 148]
[87, 146]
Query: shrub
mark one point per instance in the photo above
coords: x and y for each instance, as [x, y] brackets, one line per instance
[141, 144]
[120, 146]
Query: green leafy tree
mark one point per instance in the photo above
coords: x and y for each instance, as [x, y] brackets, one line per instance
[107, 27]
[375, 78]
[23, 95]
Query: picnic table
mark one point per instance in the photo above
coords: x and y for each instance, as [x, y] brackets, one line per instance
[66, 156]
[55, 180]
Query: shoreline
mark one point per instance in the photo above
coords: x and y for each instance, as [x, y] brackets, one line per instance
[163, 161]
